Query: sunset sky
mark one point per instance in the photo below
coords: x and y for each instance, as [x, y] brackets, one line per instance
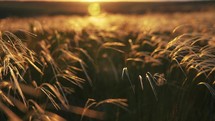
[105, 0]
[126, 0]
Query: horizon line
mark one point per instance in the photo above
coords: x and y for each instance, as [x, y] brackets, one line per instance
[86, 1]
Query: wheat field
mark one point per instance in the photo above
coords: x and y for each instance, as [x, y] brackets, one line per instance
[112, 67]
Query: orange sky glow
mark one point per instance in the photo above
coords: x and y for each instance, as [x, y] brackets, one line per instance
[108, 0]
[124, 0]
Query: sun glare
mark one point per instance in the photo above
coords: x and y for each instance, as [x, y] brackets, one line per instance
[91, 0]
[94, 9]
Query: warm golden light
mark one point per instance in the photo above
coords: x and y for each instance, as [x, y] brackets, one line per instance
[94, 9]
[116, 0]
[91, 0]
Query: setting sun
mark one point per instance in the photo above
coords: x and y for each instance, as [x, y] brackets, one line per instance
[94, 9]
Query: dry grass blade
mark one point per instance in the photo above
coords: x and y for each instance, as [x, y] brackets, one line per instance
[5, 98]
[38, 69]
[9, 113]
[122, 103]
[180, 26]
[37, 106]
[73, 79]
[19, 105]
[180, 67]
[210, 88]
[159, 79]
[54, 117]
[111, 44]
[18, 45]
[88, 104]
[56, 92]
[40, 114]
[141, 81]
[86, 54]
[212, 70]
[62, 92]
[87, 113]
[1, 72]
[17, 86]
[115, 73]
[75, 68]
[214, 82]
[135, 59]
[29, 33]
[71, 55]
[149, 77]
[177, 42]
[85, 72]
[118, 50]
[125, 72]
[51, 97]
[131, 43]
[202, 71]
[5, 84]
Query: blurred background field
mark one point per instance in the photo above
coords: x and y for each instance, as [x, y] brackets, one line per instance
[30, 8]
